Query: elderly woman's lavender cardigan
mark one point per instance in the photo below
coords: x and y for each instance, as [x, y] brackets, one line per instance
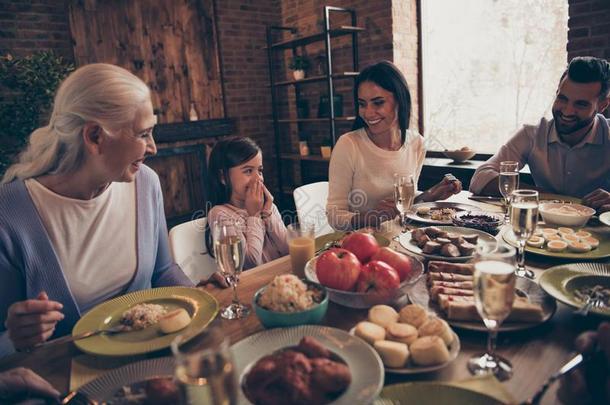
[29, 265]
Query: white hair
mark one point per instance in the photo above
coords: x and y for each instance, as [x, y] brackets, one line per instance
[105, 94]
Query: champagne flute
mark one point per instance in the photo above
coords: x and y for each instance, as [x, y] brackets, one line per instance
[205, 371]
[494, 293]
[524, 218]
[229, 254]
[404, 194]
[507, 183]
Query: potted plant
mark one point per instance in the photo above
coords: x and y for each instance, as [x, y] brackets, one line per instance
[33, 79]
[299, 64]
[326, 148]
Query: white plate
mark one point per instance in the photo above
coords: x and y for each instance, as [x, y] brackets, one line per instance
[484, 239]
[363, 362]
[458, 207]
[605, 218]
[103, 388]
[454, 350]
[525, 287]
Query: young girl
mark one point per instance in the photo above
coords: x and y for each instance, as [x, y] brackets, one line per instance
[238, 195]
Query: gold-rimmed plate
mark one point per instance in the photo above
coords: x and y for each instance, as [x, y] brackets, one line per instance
[201, 306]
[602, 251]
[561, 281]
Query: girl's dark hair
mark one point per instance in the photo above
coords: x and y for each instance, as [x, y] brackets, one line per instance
[387, 76]
[226, 154]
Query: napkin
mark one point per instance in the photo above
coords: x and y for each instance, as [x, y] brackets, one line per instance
[86, 368]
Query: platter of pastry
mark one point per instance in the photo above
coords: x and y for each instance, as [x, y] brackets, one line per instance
[448, 293]
[438, 213]
[450, 243]
[409, 341]
[565, 242]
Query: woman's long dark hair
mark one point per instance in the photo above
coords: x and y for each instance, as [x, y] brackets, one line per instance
[226, 154]
[387, 76]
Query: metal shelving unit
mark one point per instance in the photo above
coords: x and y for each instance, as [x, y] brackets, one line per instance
[282, 125]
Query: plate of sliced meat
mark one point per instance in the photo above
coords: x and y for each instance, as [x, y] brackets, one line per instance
[448, 292]
[449, 243]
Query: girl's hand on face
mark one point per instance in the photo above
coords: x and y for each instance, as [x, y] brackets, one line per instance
[268, 204]
[254, 197]
[32, 322]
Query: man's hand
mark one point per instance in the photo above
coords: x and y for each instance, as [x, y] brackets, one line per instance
[598, 199]
[21, 383]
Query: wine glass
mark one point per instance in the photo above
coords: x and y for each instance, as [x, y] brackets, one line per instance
[494, 293]
[524, 218]
[404, 194]
[229, 255]
[507, 183]
[205, 371]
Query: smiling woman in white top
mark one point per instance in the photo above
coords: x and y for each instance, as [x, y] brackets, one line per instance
[363, 163]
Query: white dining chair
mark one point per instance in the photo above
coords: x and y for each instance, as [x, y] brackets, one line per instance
[310, 201]
[187, 245]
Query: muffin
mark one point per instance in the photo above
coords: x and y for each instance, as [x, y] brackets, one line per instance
[413, 314]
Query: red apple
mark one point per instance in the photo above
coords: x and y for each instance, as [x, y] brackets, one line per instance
[338, 268]
[363, 245]
[398, 261]
[377, 277]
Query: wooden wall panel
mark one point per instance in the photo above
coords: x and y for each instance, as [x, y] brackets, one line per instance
[171, 44]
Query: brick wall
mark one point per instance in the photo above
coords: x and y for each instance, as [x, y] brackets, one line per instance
[589, 28]
[241, 28]
[27, 26]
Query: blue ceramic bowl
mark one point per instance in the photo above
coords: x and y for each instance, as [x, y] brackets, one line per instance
[274, 319]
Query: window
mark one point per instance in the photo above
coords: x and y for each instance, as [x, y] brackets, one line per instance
[489, 66]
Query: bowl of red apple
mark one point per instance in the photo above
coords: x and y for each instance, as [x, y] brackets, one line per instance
[361, 274]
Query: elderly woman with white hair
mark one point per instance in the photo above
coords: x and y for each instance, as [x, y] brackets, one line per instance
[81, 217]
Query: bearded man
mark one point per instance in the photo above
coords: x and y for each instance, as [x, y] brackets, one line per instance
[569, 154]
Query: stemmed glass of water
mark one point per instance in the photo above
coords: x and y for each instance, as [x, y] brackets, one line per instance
[524, 219]
[508, 182]
[404, 194]
[229, 255]
[494, 294]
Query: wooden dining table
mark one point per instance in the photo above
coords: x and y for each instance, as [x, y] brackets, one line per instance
[535, 353]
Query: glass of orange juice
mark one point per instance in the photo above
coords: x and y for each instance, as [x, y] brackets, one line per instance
[301, 246]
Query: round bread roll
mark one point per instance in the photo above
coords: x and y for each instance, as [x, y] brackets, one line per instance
[413, 314]
[393, 354]
[174, 320]
[437, 327]
[369, 331]
[556, 246]
[429, 350]
[383, 315]
[401, 332]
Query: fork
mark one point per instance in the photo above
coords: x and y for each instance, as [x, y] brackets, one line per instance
[70, 338]
[593, 301]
